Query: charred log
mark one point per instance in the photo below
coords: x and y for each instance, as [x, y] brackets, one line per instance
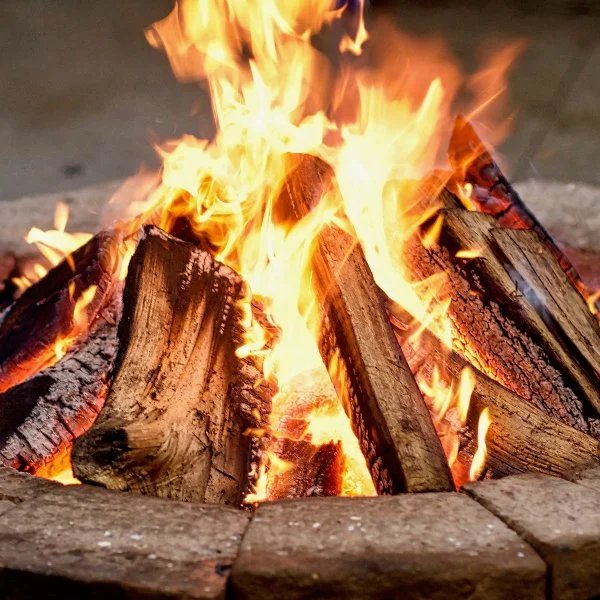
[387, 411]
[493, 194]
[521, 437]
[180, 401]
[45, 312]
[41, 417]
[499, 328]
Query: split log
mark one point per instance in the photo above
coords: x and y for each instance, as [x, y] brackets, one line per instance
[493, 194]
[521, 438]
[385, 406]
[40, 418]
[180, 400]
[44, 313]
[498, 328]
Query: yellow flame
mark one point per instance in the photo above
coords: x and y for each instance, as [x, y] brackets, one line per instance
[481, 453]
[474, 253]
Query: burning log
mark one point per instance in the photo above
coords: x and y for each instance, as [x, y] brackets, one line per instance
[45, 313]
[387, 411]
[500, 329]
[521, 437]
[40, 418]
[311, 470]
[180, 400]
[493, 194]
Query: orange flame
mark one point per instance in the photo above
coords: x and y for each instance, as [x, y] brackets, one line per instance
[481, 453]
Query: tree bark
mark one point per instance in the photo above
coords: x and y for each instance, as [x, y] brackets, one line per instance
[493, 194]
[40, 418]
[386, 409]
[44, 313]
[521, 437]
[180, 401]
[499, 328]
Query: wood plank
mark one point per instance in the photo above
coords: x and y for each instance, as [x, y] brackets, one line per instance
[386, 409]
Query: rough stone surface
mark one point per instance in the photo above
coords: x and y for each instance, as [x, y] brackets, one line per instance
[560, 519]
[89, 542]
[587, 475]
[18, 487]
[429, 546]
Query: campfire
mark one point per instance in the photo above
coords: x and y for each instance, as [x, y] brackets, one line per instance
[305, 304]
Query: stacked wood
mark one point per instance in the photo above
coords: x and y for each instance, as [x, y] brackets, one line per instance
[45, 312]
[521, 437]
[41, 417]
[509, 314]
[386, 409]
[493, 194]
[180, 401]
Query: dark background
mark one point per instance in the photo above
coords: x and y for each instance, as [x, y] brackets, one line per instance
[83, 95]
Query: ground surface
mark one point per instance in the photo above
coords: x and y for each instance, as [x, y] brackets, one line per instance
[83, 94]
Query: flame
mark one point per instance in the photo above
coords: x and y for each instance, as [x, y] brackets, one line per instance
[474, 253]
[53, 244]
[378, 122]
[481, 453]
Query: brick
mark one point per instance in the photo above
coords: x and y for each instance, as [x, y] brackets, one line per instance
[587, 475]
[429, 546]
[560, 519]
[89, 542]
[18, 487]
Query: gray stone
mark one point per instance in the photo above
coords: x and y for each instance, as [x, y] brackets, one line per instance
[89, 542]
[17, 487]
[431, 546]
[587, 475]
[560, 519]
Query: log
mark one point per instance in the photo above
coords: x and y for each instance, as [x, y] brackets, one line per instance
[521, 437]
[498, 328]
[385, 406]
[180, 401]
[44, 313]
[40, 418]
[311, 471]
[493, 194]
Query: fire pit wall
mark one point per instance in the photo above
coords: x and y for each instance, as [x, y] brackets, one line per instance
[526, 536]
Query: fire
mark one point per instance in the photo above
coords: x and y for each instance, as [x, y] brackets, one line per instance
[378, 122]
[54, 245]
[480, 455]
[380, 127]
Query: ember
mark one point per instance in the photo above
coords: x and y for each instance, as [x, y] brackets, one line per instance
[310, 308]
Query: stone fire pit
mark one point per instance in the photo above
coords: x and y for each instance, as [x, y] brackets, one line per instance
[525, 536]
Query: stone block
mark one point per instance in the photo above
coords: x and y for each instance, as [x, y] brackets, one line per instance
[429, 546]
[77, 542]
[560, 519]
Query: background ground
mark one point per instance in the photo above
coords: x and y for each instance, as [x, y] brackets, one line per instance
[83, 94]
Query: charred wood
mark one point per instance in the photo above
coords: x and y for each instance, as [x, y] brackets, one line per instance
[521, 437]
[499, 328]
[180, 400]
[44, 313]
[386, 409]
[493, 194]
[40, 418]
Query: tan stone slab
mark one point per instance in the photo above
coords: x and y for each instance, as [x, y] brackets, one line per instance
[86, 542]
[19, 487]
[429, 546]
[587, 475]
[560, 519]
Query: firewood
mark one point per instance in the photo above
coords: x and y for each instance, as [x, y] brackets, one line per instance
[493, 194]
[311, 471]
[180, 400]
[40, 418]
[386, 409]
[499, 327]
[521, 437]
[44, 313]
